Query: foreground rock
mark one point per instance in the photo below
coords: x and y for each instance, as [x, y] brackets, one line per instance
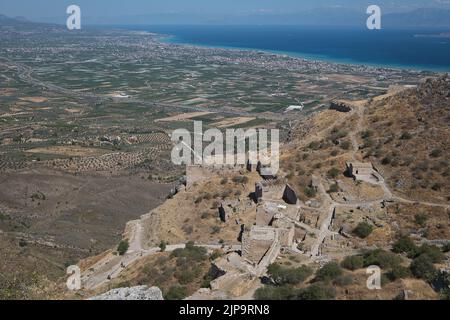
[134, 293]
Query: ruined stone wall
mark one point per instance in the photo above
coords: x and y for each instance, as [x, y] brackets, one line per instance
[286, 236]
[340, 106]
[264, 216]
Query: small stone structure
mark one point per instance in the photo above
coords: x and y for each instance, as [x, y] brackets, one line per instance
[289, 195]
[362, 171]
[265, 172]
[286, 236]
[229, 208]
[256, 243]
[251, 166]
[340, 106]
[274, 190]
[258, 192]
[265, 213]
[261, 245]
[314, 184]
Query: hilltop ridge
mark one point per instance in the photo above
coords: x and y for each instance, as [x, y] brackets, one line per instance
[315, 161]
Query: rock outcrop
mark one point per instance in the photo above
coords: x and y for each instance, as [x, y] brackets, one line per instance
[134, 293]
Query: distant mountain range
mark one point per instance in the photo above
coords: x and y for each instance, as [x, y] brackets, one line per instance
[23, 24]
[423, 18]
[17, 21]
[419, 18]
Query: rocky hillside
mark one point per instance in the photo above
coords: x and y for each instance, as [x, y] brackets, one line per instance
[404, 135]
[408, 137]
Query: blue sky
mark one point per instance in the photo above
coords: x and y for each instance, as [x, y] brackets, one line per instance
[111, 8]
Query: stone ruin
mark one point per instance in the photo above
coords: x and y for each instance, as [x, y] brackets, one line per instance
[340, 106]
[229, 208]
[259, 165]
[265, 214]
[261, 245]
[362, 171]
[273, 190]
[256, 243]
[289, 195]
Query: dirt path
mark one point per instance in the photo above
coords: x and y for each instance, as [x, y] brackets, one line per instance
[111, 266]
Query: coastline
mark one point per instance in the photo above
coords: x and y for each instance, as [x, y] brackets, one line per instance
[175, 40]
[172, 39]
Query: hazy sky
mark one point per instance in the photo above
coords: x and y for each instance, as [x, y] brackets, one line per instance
[36, 9]
[51, 8]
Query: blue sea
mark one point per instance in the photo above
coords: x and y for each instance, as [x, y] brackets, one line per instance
[411, 49]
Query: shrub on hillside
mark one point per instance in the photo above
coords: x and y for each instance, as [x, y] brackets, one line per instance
[436, 153]
[240, 179]
[345, 145]
[310, 192]
[337, 134]
[422, 267]
[344, 280]
[333, 173]
[353, 262]
[398, 272]
[333, 188]
[123, 246]
[188, 275]
[381, 258]
[421, 219]
[317, 291]
[328, 272]
[405, 245]
[363, 229]
[282, 275]
[446, 247]
[176, 293]
[432, 252]
[285, 292]
[190, 253]
[406, 136]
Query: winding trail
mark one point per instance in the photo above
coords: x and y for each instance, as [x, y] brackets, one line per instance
[111, 266]
[330, 204]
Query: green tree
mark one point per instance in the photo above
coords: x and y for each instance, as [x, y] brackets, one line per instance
[405, 245]
[398, 272]
[353, 262]
[432, 252]
[123, 246]
[446, 247]
[163, 246]
[309, 192]
[381, 258]
[333, 173]
[333, 188]
[285, 292]
[176, 293]
[422, 267]
[282, 275]
[363, 229]
[421, 219]
[328, 272]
